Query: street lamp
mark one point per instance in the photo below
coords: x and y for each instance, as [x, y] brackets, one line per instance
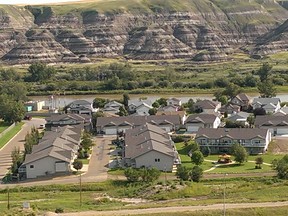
[224, 195]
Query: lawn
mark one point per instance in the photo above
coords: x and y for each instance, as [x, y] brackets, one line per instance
[3, 126]
[247, 167]
[10, 134]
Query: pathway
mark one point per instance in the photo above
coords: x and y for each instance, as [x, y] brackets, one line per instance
[16, 141]
[176, 209]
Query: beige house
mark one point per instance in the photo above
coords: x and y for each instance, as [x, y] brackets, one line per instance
[113, 125]
[277, 124]
[207, 106]
[55, 153]
[242, 100]
[150, 146]
[220, 140]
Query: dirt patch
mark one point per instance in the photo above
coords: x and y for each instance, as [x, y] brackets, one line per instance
[279, 145]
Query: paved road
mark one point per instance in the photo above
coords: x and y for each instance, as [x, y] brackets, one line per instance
[176, 209]
[17, 141]
[97, 171]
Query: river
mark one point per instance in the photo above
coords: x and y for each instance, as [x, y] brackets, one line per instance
[63, 100]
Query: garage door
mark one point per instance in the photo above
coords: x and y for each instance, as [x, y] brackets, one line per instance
[282, 131]
[193, 128]
[110, 131]
[61, 167]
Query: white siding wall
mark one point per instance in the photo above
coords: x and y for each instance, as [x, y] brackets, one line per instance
[42, 166]
[217, 122]
[148, 160]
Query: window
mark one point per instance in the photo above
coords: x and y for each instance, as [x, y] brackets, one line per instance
[31, 166]
[157, 159]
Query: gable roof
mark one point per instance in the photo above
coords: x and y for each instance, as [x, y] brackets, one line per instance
[207, 104]
[233, 133]
[138, 120]
[202, 117]
[110, 103]
[264, 101]
[174, 99]
[243, 97]
[143, 139]
[240, 115]
[63, 117]
[138, 102]
[270, 120]
[180, 113]
[80, 103]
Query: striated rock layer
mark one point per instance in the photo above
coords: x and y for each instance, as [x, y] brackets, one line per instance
[202, 30]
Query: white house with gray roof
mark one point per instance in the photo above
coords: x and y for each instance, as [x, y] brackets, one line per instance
[133, 104]
[220, 140]
[150, 146]
[202, 120]
[112, 107]
[270, 105]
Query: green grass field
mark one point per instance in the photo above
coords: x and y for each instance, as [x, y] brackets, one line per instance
[10, 134]
[3, 126]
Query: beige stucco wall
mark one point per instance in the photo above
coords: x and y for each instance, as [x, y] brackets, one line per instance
[41, 166]
[148, 160]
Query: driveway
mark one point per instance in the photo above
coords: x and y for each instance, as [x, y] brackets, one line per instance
[97, 170]
[17, 141]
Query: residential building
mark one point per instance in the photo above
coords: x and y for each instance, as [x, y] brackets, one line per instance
[229, 109]
[142, 110]
[149, 146]
[80, 107]
[207, 106]
[202, 120]
[181, 114]
[54, 154]
[174, 102]
[282, 111]
[113, 125]
[239, 117]
[112, 107]
[133, 104]
[169, 108]
[60, 120]
[270, 105]
[220, 140]
[278, 125]
[242, 100]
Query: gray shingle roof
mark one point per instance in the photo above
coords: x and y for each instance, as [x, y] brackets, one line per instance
[264, 101]
[240, 115]
[60, 144]
[234, 133]
[202, 117]
[243, 97]
[60, 117]
[146, 138]
[270, 120]
[138, 120]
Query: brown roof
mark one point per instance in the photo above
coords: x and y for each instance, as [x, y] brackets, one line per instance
[271, 120]
[202, 117]
[233, 133]
[180, 113]
[206, 104]
[146, 138]
[138, 120]
[243, 97]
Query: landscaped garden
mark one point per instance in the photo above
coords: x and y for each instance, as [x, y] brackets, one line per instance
[210, 166]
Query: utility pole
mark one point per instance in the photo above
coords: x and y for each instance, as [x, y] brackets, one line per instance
[224, 195]
[80, 191]
[8, 198]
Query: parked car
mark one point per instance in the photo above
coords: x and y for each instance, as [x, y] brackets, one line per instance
[27, 117]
